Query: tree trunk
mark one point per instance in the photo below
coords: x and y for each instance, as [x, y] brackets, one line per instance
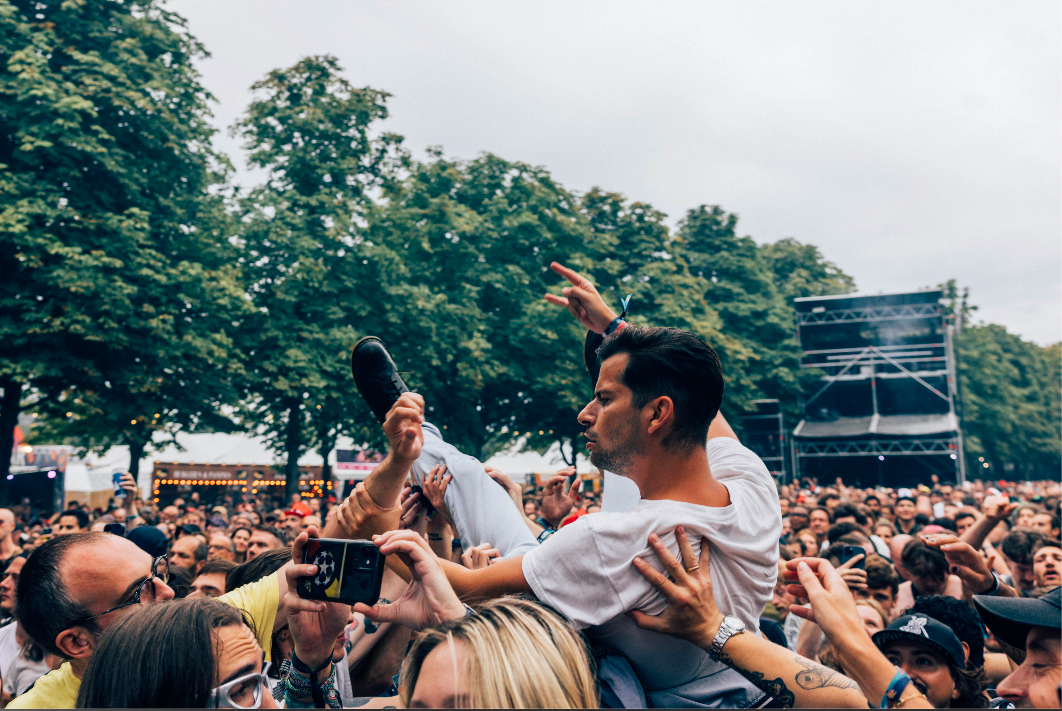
[291, 446]
[571, 443]
[136, 453]
[9, 408]
[328, 443]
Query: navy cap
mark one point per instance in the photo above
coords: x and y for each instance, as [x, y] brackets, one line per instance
[925, 630]
[1010, 618]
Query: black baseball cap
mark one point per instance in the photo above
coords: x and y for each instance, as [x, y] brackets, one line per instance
[1010, 618]
[927, 631]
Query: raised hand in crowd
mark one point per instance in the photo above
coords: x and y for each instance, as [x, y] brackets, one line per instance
[995, 509]
[855, 578]
[515, 492]
[558, 498]
[693, 615]
[966, 563]
[582, 300]
[428, 599]
[833, 608]
[479, 556]
[434, 485]
[414, 514]
[314, 624]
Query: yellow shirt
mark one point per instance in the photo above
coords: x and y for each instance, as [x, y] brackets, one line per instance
[258, 600]
[55, 690]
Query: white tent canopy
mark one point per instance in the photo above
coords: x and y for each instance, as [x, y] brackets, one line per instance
[93, 472]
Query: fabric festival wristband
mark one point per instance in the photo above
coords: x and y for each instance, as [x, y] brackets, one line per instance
[896, 687]
[614, 326]
[545, 524]
[545, 534]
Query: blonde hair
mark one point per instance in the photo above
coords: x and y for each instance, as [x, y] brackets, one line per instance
[520, 654]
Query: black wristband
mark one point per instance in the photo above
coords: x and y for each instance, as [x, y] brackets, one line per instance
[315, 688]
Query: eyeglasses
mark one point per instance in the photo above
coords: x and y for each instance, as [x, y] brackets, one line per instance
[244, 692]
[145, 593]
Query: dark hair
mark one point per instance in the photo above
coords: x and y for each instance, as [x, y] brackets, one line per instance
[944, 522]
[217, 566]
[881, 574]
[964, 514]
[960, 617]
[238, 529]
[158, 656]
[829, 496]
[257, 568]
[921, 560]
[905, 498]
[180, 580]
[1020, 544]
[277, 533]
[43, 606]
[837, 530]
[822, 509]
[672, 363]
[845, 510]
[81, 516]
[871, 498]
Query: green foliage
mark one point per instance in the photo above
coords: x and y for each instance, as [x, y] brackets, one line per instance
[1011, 404]
[312, 278]
[118, 291]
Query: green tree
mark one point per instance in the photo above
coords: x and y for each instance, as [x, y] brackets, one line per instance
[1011, 404]
[800, 270]
[493, 359]
[312, 277]
[117, 285]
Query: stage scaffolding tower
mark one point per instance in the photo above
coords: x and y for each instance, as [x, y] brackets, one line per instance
[884, 413]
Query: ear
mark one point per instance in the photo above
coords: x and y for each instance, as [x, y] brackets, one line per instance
[965, 652]
[75, 643]
[662, 412]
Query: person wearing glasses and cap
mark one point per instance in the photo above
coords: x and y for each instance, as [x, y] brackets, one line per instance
[1032, 629]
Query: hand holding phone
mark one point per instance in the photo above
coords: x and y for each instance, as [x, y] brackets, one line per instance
[347, 571]
[314, 624]
[849, 552]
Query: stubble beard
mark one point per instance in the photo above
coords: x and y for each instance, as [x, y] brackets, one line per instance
[620, 459]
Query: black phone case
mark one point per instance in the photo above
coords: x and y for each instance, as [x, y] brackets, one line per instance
[347, 571]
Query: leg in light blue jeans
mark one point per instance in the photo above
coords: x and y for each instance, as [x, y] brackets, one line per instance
[481, 509]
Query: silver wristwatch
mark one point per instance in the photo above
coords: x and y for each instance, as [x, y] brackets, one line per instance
[730, 627]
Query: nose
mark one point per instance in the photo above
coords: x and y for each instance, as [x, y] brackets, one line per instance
[163, 591]
[586, 418]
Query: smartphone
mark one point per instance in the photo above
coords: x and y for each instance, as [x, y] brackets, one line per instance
[849, 552]
[119, 492]
[347, 571]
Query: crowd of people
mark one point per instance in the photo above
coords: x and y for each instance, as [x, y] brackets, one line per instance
[693, 578]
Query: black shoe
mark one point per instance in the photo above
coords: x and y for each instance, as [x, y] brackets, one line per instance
[590, 345]
[376, 376]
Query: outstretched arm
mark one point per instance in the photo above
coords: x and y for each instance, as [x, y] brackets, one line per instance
[692, 614]
[995, 510]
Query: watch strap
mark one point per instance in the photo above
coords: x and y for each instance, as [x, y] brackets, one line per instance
[730, 627]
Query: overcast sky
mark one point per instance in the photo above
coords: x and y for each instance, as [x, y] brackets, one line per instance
[912, 142]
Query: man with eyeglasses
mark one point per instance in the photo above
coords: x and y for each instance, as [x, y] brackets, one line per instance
[73, 587]
[69, 592]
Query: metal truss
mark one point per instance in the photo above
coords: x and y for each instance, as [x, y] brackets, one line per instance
[870, 313]
[855, 448]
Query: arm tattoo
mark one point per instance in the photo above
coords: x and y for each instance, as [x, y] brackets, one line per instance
[815, 676]
[773, 687]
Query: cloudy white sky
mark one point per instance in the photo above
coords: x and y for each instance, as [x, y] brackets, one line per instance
[912, 142]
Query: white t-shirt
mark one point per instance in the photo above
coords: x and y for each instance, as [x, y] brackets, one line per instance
[584, 570]
[9, 646]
